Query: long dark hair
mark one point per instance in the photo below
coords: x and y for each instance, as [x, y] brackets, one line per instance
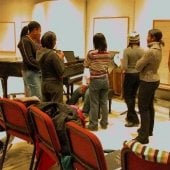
[157, 35]
[99, 42]
[24, 31]
[32, 25]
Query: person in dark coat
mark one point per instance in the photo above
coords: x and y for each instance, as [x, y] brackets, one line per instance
[52, 67]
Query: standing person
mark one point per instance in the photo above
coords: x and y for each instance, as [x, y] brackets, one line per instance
[28, 45]
[149, 81]
[24, 32]
[98, 61]
[131, 77]
[52, 68]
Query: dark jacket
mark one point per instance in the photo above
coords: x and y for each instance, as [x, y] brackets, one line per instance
[51, 65]
[61, 113]
[28, 50]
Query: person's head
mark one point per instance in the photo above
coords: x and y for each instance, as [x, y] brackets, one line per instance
[155, 35]
[99, 42]
[24, 31]
[48, 40]
[34, 30]
[134, 39]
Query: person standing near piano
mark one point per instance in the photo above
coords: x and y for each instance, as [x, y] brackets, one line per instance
[98, 61]
[52, 67]
[28, 45]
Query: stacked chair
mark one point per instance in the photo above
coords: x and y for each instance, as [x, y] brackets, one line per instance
[85, 148]
[135, 156]
[16, 122]
[46, 138]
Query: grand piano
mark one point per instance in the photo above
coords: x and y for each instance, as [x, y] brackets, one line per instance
[73, 72]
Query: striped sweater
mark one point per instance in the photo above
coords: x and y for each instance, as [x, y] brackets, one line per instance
[148, 153]
[97, 62]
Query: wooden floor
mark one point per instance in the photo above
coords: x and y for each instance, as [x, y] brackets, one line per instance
[19, 155]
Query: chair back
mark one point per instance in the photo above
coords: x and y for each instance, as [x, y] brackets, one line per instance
[85, 148]
[46, 136]
[2, 123]
[135, 156]
[16, 118]
[16, 123]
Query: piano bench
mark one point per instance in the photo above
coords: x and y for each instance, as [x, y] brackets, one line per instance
[14, 95]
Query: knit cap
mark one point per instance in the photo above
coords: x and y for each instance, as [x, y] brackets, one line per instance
[134, 37]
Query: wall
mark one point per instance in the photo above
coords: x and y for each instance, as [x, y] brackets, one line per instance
[67, 19]
[107, 8]
[15, 11]
[145, 12]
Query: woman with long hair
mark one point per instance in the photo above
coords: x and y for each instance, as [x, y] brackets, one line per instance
[97, 61]
[148, 67]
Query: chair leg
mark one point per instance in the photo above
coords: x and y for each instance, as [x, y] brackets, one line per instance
[110, 105]
[38, 159]
[32, 159]
[4, 151]
[72, 88]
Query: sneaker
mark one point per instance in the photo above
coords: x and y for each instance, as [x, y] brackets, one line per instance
[103, 126]
[142, 141]
[150, 133]
[92, 128]
[131, 124]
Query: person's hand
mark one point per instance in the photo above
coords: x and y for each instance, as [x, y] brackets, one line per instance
[60, 54]
[83, 88]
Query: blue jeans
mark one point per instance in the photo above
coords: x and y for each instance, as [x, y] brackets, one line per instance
[32, 81]
[98, 93]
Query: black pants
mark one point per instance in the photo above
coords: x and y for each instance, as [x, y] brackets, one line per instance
[131, 84]
[146, 108]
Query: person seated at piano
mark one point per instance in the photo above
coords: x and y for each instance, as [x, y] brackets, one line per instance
[52, 67]
[83, 92]
[28, 45]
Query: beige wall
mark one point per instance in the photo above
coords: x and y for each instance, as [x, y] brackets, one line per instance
[66, 18]
[145, 12]
[15, 11]
[73, 24]
[107, 8]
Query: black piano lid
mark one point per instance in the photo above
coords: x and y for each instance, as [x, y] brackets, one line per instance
[69, 55]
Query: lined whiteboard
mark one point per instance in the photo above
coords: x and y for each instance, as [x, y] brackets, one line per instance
[115, 30]
[7, 37]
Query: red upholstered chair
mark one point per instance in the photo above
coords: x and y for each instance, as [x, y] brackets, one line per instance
[47, 139]
[16, 121]
[85, 148]
[2, 123]
[135, 156]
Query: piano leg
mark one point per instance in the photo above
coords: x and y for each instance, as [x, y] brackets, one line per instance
[4, 86]
[68, 91]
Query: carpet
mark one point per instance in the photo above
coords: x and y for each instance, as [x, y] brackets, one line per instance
[18, 157]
